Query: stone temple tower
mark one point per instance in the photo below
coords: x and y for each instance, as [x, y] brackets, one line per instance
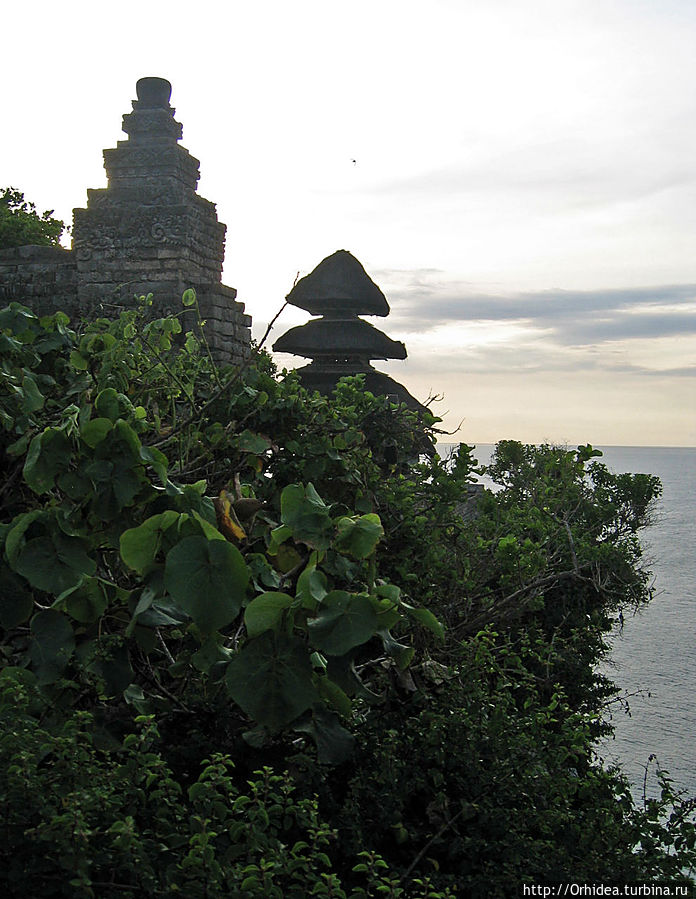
[150, 232]
[340, 342]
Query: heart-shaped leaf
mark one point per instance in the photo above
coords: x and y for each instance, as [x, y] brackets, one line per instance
[270, 678]
[207, 579]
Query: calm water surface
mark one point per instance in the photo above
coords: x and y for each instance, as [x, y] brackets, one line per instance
[656, 651]
[654, 655]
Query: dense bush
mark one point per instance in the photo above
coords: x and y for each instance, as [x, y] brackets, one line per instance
[21, 224]
[250, 640]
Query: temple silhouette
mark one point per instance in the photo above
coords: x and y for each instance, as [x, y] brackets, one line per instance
[340, 343]
[148, 231]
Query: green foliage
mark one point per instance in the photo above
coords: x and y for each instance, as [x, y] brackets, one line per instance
[270, 578]
[80, 822]
[119, 542]
[21, 224]
[207, 579]
[505, 787]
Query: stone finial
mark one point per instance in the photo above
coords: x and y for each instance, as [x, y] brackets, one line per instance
[153, 93]
[152, 120]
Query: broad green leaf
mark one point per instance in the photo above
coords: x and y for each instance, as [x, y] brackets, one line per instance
[14, 541]
[207, 579]
[154, 457]
[188, 297]
[16, 602]
[139, 546]
[133, 694]
[8, 345]
[388, 614]
[95, 430]
[278, 536]
[287, 558]
[210, 653]
[210, 532]
[264, 612]
[359, 536]
[270, 678]
[75, 485]
[19, 447]
[344, 620]
[302, 510]
[72, 551]
[49, 454]
[334, 743]
[387, 603]
[19, 320]
[33, 398]
[129, 440]
[107, 404]
[389, 591]
[124, 486]
[160, 613]
[52, 645]
[253, 443]
[257, 737]
[263, 575]
[191, 498]
[54, 563]
[147, 597]
[86, 602]
[401, 654]
[333, 694]
[312, 586]
[427, 619]
[100, 471]
[78, 361]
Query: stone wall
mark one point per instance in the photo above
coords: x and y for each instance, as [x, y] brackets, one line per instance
[44, 278]
[148, 231]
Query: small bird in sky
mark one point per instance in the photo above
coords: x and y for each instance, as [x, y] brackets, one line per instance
[354, 161]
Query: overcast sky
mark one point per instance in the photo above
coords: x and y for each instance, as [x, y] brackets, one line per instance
[518, 177]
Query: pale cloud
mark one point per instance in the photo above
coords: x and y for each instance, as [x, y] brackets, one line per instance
[422, 302]
[524, 176]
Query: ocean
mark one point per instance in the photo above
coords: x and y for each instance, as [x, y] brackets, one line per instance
[653, 657]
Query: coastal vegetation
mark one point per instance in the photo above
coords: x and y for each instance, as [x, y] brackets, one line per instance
[21, 224]
[255, 643]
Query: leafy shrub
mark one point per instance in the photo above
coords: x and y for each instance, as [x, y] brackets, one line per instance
[80, 822]
[210, 573]
[125, 577]
[21, 224]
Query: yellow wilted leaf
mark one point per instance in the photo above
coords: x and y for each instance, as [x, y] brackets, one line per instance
[227, 521]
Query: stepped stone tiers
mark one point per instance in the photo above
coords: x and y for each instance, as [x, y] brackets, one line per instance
[340, 343]
[148, 231]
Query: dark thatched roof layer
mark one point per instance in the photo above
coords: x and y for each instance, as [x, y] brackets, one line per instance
[328, 338]
[316, 377]
[339, 284]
